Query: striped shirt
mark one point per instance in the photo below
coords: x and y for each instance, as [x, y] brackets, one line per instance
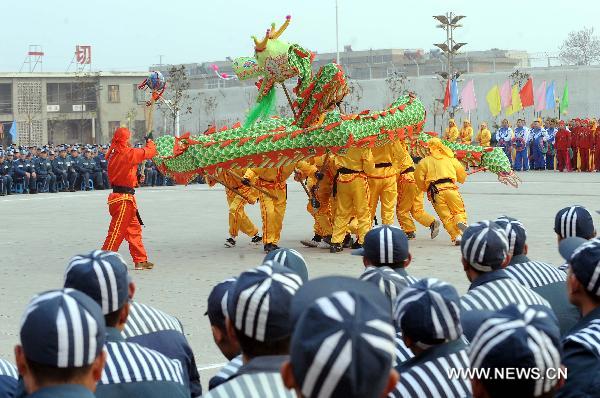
[534, 274]
[8, 379]
[403, 353]
[588, 337]
[402, 272]
[8, 369]
[495, 290]
[230, 369]
[144, 319]
[427, 374]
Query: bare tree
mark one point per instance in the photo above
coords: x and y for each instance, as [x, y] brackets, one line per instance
[519, 78]
[581, 47]
[397, 83]
[355, 94]
[210, 107]
[177, 95]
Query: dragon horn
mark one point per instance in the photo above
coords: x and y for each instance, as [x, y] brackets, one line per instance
[276, 33]
[260, 46]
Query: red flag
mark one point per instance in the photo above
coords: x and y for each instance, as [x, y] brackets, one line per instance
[447, 96]
[526, 94]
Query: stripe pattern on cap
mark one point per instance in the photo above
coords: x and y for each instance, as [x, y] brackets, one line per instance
[386, 245]
[388, 281]
[509, 225]
[568, 221]
[475, 247]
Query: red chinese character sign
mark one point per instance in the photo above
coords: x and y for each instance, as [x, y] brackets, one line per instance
[83, 54]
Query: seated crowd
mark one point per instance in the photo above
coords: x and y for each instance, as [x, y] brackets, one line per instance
[524, 328]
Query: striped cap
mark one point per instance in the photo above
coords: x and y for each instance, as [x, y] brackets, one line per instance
[259, 304]
[428, 311]
[515, 232]
[574, 221]
[343, 346]
[102, 275]
[484, 246]
[386, 279]
[63, 329]
[517, 337]
[384, 245]
[585, 264]
[289, 258]
[217, 302]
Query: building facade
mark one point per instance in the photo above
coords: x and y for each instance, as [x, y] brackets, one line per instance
[61, 108]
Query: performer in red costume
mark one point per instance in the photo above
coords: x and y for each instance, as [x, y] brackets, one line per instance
[597, 148]
[584, 144]
[126, 223]
[574, 126]
[562, 143]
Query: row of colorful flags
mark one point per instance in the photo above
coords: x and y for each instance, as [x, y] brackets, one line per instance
[511, 99]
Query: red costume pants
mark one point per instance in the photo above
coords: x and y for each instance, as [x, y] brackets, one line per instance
[597, 158]
[563, 160]
[125, 225]
[584, 154]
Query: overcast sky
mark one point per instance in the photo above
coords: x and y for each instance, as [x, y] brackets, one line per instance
[131, 34]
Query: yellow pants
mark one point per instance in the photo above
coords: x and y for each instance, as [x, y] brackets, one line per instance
[450, 208]
[352, 198]
[322, 215]
[383, 190]
[238, 219]
[410, 206]
[272, 212]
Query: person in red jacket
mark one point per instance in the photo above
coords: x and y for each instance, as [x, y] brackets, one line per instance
[597, 148]
[123, 161]
[562, 143]
[575, 127]
[584, 143]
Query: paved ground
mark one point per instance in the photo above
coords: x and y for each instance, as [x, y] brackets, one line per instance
[186, 227]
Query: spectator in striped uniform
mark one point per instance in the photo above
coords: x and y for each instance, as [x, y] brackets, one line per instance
[289, 258]
[386, 246]
[524, 340]
[485, 252]
[343, 341]
[428, 314]
[229, 347]
[131, 370]
[258, 318]
[8, 379]
[390, 284]
[573, 221]
[581, 347]
[61, 352]
[544, 279]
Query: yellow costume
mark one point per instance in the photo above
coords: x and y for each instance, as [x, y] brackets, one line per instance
[272, 210]
[451, 134]
[437, 175]
[466, 133]
[483, 136]
[238, 219]
[351, 190]
[410, 197]
[382, 182]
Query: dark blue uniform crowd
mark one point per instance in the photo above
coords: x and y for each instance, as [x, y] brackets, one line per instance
[524, 328]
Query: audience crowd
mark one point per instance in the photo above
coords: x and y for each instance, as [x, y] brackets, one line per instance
[524, 328]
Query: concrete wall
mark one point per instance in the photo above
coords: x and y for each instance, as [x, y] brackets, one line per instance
[232, 104]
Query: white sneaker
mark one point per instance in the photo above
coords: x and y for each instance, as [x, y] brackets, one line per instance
[310, 243]
[434, 228]
[457, 240]
[323, 245]
[230, 242]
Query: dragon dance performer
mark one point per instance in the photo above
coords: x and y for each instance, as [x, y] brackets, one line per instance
[484, 136]
[504, 137]
[382, 182]
[351, 193]
[410, 199]
[272, 205]
[437, 174]
[238, 219]
[466, 133]
[123, 161]
[451, 134]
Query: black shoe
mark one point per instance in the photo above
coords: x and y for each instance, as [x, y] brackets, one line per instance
[269, 247]
[347, 241]
[356, 245]
[71, 189]
[335, 248]
[230, 242]
[256, 239]
[410, 235]
[2, 194]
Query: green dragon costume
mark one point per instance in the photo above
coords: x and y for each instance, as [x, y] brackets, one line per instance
[317, 126]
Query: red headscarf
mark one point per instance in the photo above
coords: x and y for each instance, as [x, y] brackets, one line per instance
[120, 140]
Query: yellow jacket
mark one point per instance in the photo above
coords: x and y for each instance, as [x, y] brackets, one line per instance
[484, 137]
[272, 177]
[431, 169]
[358, 159]
[385, 154]
[451, 134]
[308, 168]
[466, 135]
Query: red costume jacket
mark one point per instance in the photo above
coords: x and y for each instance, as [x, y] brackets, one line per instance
[585, 138]
[562, 140]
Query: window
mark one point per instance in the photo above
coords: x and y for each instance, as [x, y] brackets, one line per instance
[140, 96]
[82, 95]
[113, 93]
[5, 98]
[112, 126]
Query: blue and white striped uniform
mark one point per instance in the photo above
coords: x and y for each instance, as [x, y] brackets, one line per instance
[581, 357]
[159, 331]
[403, 353]
[495, 290]
[427, 375]
[132, 370]
[230, 369]
[8, 378]
[408, 278]
[549, 282]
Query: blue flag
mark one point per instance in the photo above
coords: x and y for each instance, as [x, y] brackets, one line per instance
[453, 93]
[13, 132]
[550, 100]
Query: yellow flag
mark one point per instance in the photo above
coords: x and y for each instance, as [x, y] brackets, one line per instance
[493, 100]
[516, 105]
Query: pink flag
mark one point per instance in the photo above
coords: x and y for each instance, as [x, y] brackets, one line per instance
[506, 94]
[540, 97]
[467, 97]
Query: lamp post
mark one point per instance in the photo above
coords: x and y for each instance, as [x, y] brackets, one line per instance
[337, 35]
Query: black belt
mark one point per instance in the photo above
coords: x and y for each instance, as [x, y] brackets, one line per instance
[432, 189]
[342, 170]
[382, 165]
[408, 170]
[117, 189]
